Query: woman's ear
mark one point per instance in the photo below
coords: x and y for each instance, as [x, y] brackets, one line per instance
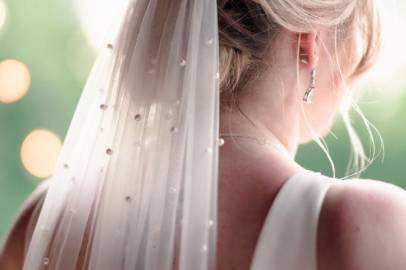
[307, 45]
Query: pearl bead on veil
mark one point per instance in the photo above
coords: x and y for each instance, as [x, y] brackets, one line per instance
[135, 186]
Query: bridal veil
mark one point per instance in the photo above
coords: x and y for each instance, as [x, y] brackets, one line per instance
[135, 186]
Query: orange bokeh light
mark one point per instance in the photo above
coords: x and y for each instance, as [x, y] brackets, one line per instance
[39, 152]
[15, 80]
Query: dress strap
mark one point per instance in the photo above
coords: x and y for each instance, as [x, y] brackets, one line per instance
[289, 235]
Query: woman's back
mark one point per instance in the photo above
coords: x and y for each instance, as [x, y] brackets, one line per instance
[307, 219]
[349, 222]
[269, 229]
[360, 226]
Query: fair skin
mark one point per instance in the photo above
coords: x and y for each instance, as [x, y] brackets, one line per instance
[361, 222]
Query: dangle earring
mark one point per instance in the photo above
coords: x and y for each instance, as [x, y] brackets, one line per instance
[308, 96]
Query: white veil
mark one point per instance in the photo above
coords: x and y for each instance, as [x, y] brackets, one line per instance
[136, 182]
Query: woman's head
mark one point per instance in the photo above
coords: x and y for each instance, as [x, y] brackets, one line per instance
[286, 39]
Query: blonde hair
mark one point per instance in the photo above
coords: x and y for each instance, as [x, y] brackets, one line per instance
[248, 27]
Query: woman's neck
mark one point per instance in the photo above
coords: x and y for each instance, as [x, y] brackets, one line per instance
[255, 124]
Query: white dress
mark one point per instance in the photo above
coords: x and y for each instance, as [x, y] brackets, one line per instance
[288, 237]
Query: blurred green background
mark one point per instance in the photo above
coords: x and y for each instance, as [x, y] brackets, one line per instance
[57, 44]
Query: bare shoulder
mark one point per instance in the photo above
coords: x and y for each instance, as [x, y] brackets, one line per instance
[12, 250]
[362, 226]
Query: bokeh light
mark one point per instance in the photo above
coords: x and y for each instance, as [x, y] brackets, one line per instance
[3, 14]
[39, 152]
[15, 80]
[97, 17]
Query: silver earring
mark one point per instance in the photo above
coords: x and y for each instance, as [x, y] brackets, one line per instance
[303, 61]
[303, 58]
[308, 96]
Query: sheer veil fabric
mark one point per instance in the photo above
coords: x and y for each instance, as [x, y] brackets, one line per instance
[135, 185]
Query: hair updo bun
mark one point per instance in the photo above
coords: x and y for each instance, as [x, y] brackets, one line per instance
[247, 28]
